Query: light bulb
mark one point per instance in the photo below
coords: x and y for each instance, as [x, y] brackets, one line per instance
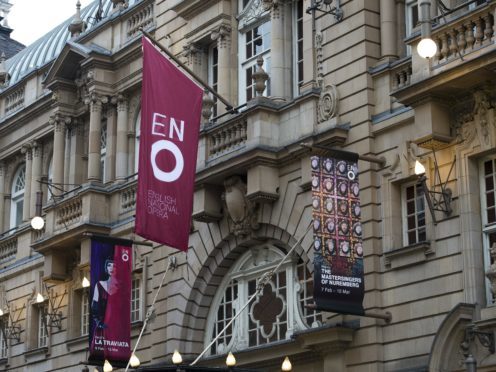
[230, 360]
[37, 223]
[427, 48]
[107, 367]
[39, 298]
[134, 361]
[286, 365]
[85, 283]
[1, 312]
[419, 168]
[177, 358]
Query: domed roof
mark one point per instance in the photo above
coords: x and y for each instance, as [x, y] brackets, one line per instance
[49, 46]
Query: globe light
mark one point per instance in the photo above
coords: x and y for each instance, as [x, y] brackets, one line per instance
[419, 168]
[177, 358]
[39, 298]
[134, 361]
[37, 223]
[230, 360]
[107, 367]
[1, 312]
[85, 283]
[286, 365]
[427, 48]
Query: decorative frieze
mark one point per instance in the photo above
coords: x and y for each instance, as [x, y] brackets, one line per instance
[14, 100]
[142, 19]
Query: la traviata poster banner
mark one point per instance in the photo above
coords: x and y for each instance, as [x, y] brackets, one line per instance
[110, 301]
[338, 249]
[170, 121]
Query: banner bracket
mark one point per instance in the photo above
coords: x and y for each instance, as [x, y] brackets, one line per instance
[229, 107]
[386, 316]
[381, 161]
[116, 239]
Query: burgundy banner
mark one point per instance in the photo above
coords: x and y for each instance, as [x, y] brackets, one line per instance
[170, 120]
[110, 302]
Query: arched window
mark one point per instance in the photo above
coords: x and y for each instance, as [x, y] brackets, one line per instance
[274, 315]
[103, 150]
[137, 125]
[17, 197]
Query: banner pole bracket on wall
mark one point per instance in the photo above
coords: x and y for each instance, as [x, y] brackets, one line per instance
[381, 161]
[386, 316]
[229, 106]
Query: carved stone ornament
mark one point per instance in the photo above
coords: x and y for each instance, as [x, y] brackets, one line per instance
[260, 77]
[328, 103]
[481, 109]
[241, 211]
[252, 12]
[207, 104]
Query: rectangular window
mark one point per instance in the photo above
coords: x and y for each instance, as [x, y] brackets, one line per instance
[42, 325]
[213, 73]
[85, 313]
[136, 299]
[257, 43]
[411, 16]
[413, 214]
[3, 339]
[298, 37]
[488, 205]
[103, 150]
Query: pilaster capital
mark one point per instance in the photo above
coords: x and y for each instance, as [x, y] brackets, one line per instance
[59, 121]
[26, 150]
[96, 101]
[193, 53]
[222, 35]
[2, 168]
[274, 6]
[121, 101]
[36, 149]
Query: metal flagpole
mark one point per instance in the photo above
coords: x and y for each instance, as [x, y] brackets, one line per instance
[151, 309]
[264, 280]
[229, 106]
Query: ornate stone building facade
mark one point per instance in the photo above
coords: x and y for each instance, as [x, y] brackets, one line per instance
[69, 128]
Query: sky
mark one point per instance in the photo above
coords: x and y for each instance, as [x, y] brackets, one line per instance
[31, 19]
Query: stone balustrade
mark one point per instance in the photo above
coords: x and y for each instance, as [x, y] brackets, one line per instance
[8, 249]
[142, 18]
[227, 138]
[68, 213]
[128, 198]
[14, 100]
[401, 75]
[466, 34]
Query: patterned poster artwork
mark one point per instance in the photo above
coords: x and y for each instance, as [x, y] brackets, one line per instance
[338, 249]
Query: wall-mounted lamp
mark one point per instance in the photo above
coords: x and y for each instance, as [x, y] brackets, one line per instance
[107, 367]
[134, 361]
[486, 339]
[230, 360]
[51, 313]
[10, 325]
[38, 223]
[85, 283]
[286, 365]
[426, 48]
[439, 197]
[177, 359]
[325, 6]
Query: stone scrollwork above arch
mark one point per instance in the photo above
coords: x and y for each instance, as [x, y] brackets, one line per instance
[253, 11]
[328, 103]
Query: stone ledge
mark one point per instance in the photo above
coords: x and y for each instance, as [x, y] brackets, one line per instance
[408, 255]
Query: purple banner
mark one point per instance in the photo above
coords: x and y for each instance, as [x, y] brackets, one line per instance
[110, 302]
[338, 250]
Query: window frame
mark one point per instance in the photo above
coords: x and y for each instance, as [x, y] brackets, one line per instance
[16, 197]
[406, 229]
[297, 47]
[240, 274]
[487, 228]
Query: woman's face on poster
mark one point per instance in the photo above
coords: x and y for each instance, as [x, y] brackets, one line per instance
[110, 267]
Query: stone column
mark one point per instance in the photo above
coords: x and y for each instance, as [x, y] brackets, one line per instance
[59, 122]
[111, 141]
[277, 67]
[76, 171]
[223, 37]
[94, 145]
[121, 171]
[194, 59]
[35, 176]
[2, 195]
[26, 207]
[388, 28]
[400, 28]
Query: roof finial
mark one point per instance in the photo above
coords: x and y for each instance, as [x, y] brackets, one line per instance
[77, 25]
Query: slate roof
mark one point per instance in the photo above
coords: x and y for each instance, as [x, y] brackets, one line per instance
[7, 45]
[47, 48]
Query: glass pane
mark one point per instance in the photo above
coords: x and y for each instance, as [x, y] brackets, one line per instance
[411, 222]
[488, 167]
[490, 199]
[410, 207]
[489, 183]
[422, 236]
[412, 238]
[491, 215]
[18, 212]
[410, 192]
